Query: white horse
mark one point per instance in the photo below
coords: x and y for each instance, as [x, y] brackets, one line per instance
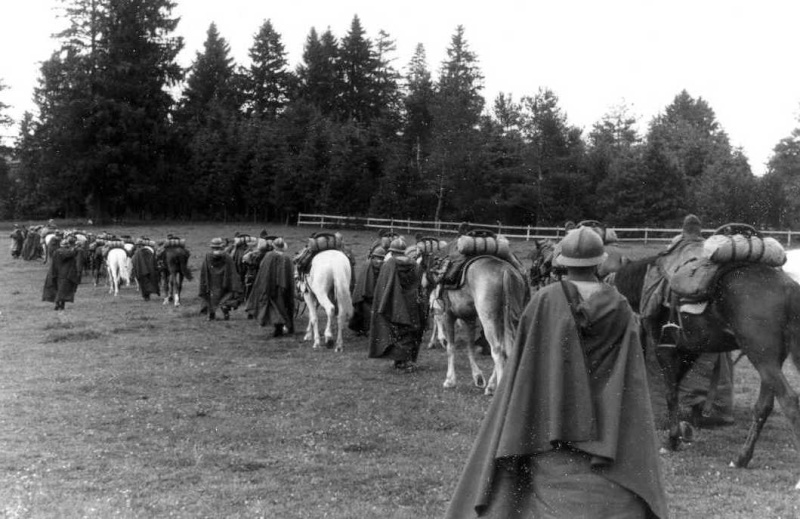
[328, 285]
[117, 266]
[792, 265]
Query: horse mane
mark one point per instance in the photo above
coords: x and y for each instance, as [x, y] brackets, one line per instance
[629, 280]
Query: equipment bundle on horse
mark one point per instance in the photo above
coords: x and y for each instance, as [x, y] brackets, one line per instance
[752, 306]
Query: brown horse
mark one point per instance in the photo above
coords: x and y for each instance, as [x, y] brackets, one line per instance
[494, 293]
[752, 307]
[176, 268]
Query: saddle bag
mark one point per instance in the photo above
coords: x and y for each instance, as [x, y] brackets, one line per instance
[693, 280]
[303, 259]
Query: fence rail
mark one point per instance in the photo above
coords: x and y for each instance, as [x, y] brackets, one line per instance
[515, 232]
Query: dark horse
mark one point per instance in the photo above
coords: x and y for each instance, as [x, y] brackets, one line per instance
[752, 307]
[174, 269]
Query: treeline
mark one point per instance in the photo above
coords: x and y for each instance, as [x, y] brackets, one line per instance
[122, 131]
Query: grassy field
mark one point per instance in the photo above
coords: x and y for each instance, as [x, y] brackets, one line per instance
[119, 407]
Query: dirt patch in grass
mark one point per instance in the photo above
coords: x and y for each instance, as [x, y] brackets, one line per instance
[72, 336]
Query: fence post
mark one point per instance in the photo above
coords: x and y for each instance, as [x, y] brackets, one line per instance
[645, 236]
[788, 239]
[322, 222]
[528, 233]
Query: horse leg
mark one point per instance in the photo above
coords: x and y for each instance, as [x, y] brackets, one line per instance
[773, 385]
[477, 375]
[761, 411]
[495, 339]
[437, 325]
[450, 341]
[312, 329]
[330, 313]
[178, 286]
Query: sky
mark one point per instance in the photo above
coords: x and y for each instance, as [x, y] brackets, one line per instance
[741, 57]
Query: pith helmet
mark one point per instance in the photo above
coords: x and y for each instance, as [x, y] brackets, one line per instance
[398, 246]
[582, 247]
[279, 244]
[378, 252]
[217, 243]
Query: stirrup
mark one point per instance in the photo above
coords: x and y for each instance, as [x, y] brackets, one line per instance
[670, 333]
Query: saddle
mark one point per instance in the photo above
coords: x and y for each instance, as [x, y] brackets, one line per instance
[451, 274]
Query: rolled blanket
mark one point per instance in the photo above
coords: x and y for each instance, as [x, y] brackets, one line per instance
[737, 247]
[245, 240]
[324, 241]
[174, 242]
[479, 246]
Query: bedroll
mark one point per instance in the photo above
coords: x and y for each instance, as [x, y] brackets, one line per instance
[175, 242]
[737, 247]
[324, 241]
[480, 246]
[245, 240]
[429, 245]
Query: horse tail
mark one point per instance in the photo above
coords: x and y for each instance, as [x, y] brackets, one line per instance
[792, 337]
[515, 294]
[344, 300]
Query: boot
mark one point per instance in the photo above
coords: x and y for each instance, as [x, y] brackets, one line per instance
[278, 331]
[212, 316]
[226, 314]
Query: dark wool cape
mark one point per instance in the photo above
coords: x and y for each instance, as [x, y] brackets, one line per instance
[62, 276]
[363, 292]
[593, 397]
[145, 271]
[271, 300]
[32, 246]
[219, 283]
[398, 313]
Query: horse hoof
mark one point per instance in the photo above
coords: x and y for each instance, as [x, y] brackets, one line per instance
[797, 486]
[449, 384]
[329, 343]
[480, 382]
[339, 349]
[488, 391]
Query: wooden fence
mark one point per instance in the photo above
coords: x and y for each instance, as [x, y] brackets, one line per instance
[515, 232]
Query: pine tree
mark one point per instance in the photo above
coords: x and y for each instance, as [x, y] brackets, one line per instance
[555, 153]
[268, 80]
[455, 177]
[320, 81]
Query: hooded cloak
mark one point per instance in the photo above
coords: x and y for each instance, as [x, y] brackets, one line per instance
[271, 300]
[63, 277]
[398, 312]
[220, 285]
[145, 271]
[586, 390]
